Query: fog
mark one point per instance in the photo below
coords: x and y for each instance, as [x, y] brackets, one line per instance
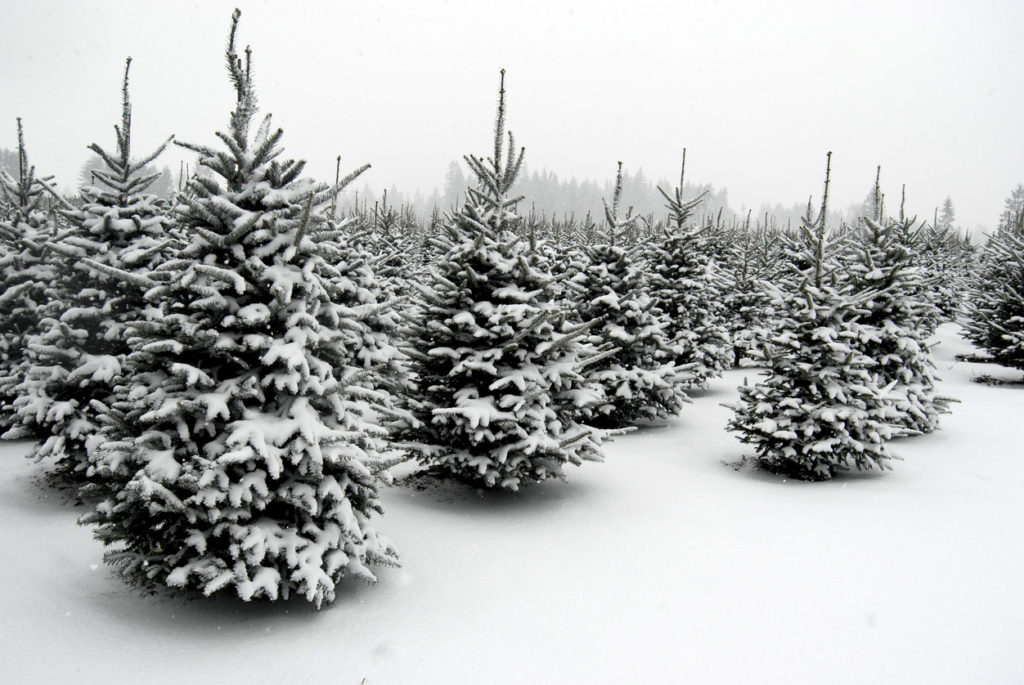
[757, 92]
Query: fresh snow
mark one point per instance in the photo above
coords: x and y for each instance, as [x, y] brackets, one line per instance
[662, 565]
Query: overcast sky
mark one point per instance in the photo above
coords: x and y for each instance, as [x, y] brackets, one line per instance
[757, 92]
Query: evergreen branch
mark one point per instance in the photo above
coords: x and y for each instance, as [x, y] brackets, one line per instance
[57, 196]
[233, 146]
[574, 334]
[124, 142]
[243, 229]
[602, 353]
[290, 169]
[340, 185]
[304, 224]
[151, 157]
[213, 238]
[138, 184]
[223, 275]
[263, 131]
[241, 79]
[259, 156]
[201, 150]
[530, 328]
[129, 277]
[379, 468]
[499, 124]
[107, 159]
[513, 169]
[149, 252]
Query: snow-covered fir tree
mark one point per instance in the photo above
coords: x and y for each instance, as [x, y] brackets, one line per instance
[567, 259]
[394, 251]
[1012, 217]
[995, 307]
[358, 287]
[946, 260]
[637, 369]
[27, 275]
[750, 259]
[945, 219]
[498, 379]
[819, 410]
[896, 307]
[77, 355]
[686, 286]
[246, 457]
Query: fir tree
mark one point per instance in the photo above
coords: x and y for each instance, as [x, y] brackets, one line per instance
[498, 380]
[896, 307]
[685, 284]
[995, 310]
[749, 261]
[995, 301]
[946, 220]
[77, 355]
[393, 251]
[27, 275]
[248, 445]
[636, 369]
[819, 411]
[945, 263]
[1012, 217]
[357, 286]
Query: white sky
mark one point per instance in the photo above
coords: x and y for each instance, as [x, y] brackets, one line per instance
[757, 91]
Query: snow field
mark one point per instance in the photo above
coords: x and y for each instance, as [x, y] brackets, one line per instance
[663, 564]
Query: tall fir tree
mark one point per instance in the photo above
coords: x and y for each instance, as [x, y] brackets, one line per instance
[246, 457]
[819, 411]
[995, 307]
[897, 308]
[498, 377]
[77, 355]
[27, 275]
[686, 286]
[636, 364]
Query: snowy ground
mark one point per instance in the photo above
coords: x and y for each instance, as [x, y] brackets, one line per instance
[663, 564]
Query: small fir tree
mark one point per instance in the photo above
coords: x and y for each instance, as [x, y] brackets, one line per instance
[27, 275]
[995, 310]
[749, 260]
[498, 380]
[819, 411]
[360, 290]
[946, 218]
[77, 355]
[246, 456]
[635, 365]
[1012, 217]
[685, 284]
[897, 308]
[945, 262]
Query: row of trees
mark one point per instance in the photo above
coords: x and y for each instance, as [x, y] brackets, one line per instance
[228, 377]
[848, 366]
[548, 197]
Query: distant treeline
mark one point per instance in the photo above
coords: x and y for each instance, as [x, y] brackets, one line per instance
[548, 196]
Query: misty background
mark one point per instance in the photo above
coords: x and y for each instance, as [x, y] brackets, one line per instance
[756, 93]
